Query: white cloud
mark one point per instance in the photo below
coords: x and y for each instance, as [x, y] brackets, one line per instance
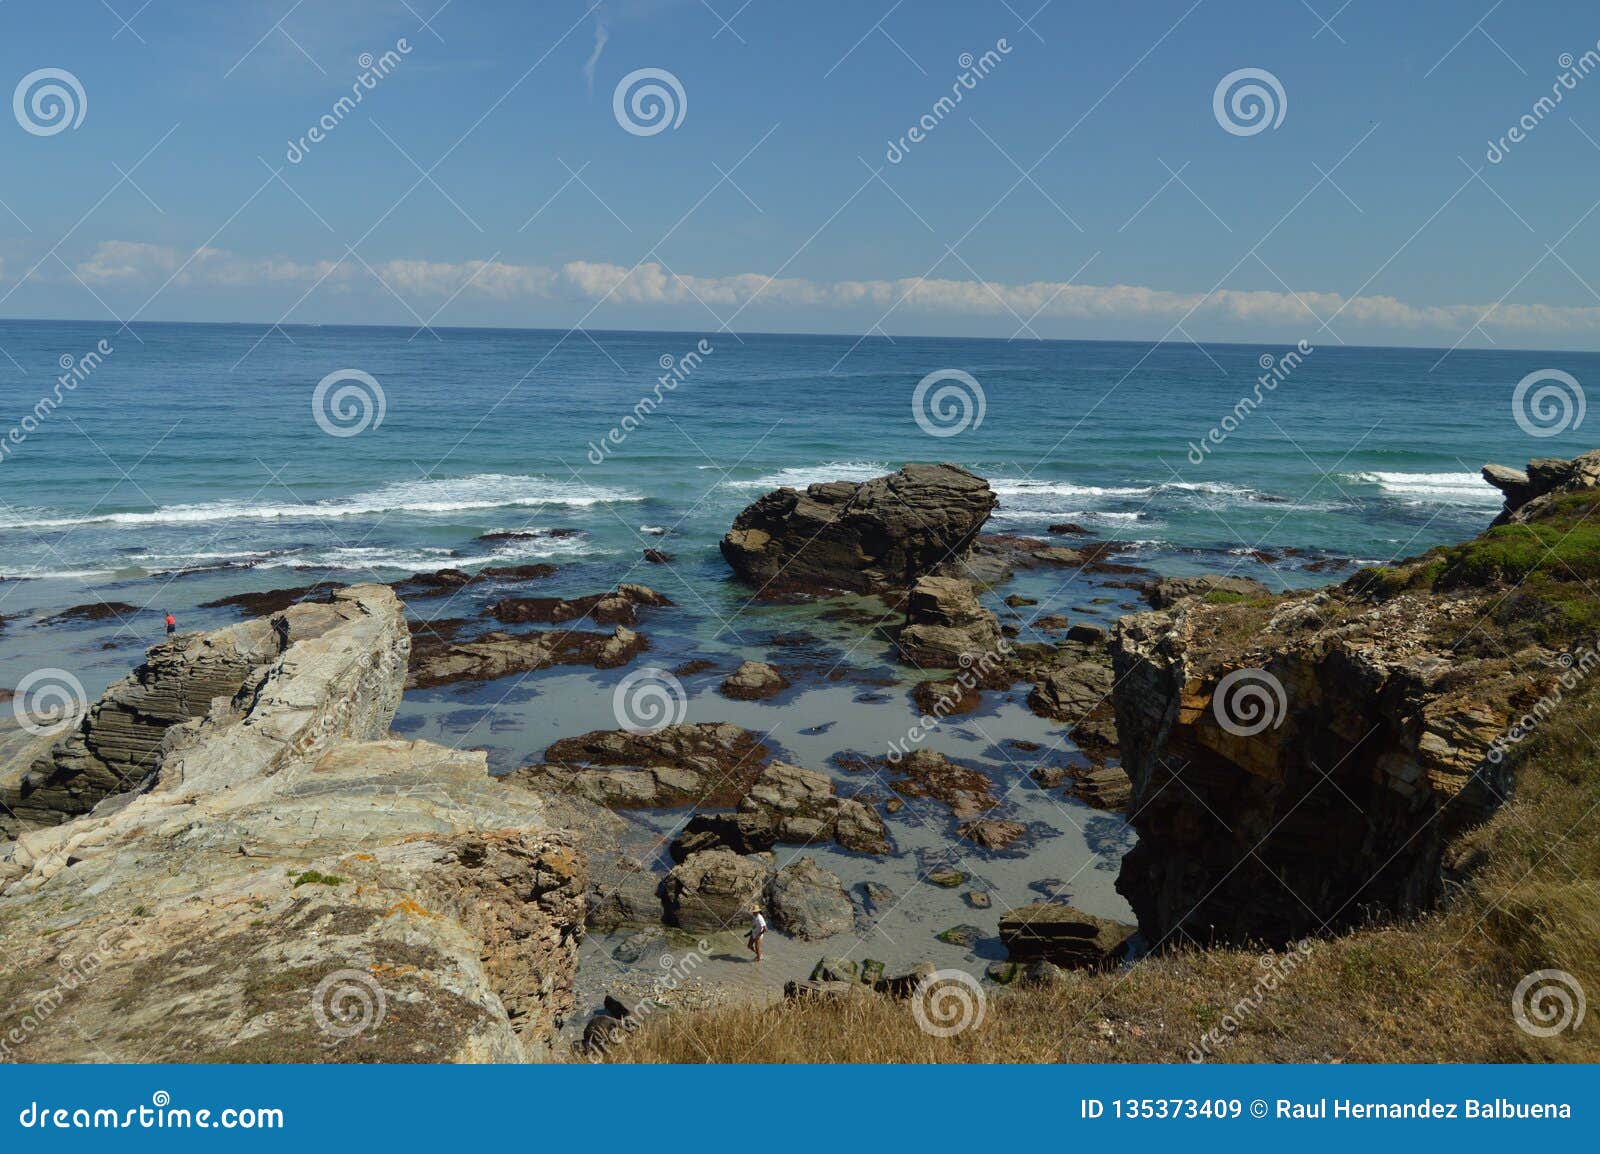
[653, 284]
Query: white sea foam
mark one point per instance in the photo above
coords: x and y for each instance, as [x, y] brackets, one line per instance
[799, 477]
[453, 495]
[1432, 488]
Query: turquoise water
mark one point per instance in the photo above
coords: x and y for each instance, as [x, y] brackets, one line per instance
[190, 463]
[196, 444]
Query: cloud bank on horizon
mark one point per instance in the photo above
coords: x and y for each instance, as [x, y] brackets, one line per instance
[727, 298]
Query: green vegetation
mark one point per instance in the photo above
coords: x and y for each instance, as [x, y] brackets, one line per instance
[315, 878]
[1437, 989]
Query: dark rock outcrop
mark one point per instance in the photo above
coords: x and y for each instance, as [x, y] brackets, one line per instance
[714, 890]
[493, 655]
[1301, 765]
[867, 537]
[1546, 478]
[808, 902]
[949, 629]
[1063, 936]
[708, 763]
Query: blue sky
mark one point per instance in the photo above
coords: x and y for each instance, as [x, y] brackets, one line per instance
[1083, 188]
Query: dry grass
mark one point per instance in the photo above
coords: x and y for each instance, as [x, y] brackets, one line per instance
[1434, 990]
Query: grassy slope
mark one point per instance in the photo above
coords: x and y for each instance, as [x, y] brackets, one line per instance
[1437, 989]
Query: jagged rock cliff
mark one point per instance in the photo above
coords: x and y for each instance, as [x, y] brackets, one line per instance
[287, 884]
[1300, 763]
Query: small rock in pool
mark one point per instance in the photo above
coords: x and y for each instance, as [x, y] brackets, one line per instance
[977, 899]
[965, 936]
[947, 878]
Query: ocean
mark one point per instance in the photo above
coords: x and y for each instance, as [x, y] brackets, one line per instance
[186, 462]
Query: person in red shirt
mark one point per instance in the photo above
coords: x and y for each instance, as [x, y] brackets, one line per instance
[172, 624]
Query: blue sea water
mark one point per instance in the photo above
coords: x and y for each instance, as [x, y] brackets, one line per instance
[198, 444]
[190, 463]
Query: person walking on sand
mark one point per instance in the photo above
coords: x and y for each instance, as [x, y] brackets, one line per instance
[758, 930]
[172, 623]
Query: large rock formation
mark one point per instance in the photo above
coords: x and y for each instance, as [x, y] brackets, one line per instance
[1300, 764]
[118, 744]
[290, 885]
[868, 537]
[1546, 478]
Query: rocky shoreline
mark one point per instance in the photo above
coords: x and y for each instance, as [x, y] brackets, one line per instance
[233, 822]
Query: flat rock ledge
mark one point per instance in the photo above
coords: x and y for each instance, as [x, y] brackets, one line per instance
[287, 884]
